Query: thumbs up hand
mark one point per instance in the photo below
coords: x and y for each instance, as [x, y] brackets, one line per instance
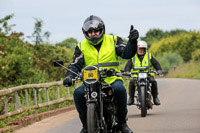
[133, 35]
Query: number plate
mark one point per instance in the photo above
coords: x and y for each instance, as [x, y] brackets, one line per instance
[142, 75]
[90, 74]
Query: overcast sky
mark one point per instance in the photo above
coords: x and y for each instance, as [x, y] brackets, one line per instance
[64, 18]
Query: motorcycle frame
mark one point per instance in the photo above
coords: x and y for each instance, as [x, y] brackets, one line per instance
[99, 99]
[144, 82]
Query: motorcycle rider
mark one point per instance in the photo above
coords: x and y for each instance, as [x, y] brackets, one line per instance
[102, 50]
[143, 58]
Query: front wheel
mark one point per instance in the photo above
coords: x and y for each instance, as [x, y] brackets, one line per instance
[143, 101]
[92, 118]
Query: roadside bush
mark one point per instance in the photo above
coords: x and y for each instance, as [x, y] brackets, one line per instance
[15, 62]
[23, 63]
[45, 54]
[185, 44]
[196, 55]
[169, 60]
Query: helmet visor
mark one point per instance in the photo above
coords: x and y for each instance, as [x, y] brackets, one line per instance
[93, 24]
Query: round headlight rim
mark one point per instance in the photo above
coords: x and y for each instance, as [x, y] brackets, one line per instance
[98, 74]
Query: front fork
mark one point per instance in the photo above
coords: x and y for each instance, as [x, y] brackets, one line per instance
[148, 96]
[99, 101]
[102, 121]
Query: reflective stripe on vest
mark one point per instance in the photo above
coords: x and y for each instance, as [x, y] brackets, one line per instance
[145, 62]
[108, 64]
[105, 58]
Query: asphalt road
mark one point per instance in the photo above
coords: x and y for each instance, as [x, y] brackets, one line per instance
[179, 111]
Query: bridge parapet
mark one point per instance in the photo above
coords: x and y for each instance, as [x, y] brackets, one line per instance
[4, 94]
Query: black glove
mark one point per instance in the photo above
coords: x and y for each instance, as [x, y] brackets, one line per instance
[160, 73]
[68, 81]
[133, 35]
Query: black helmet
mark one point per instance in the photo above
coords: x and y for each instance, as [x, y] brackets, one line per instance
[93, 23]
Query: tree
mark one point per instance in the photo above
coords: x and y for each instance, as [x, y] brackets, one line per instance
[38, 36]
[185, 44]
[68, 43]
[5, 28]
[153, 35]
[176, 32]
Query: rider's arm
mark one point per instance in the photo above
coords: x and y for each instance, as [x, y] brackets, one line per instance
[78, 62]
[126, 51]
[155, 64]
[128, 66]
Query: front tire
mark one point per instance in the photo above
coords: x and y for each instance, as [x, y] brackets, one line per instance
[92, 118]
[143, 101]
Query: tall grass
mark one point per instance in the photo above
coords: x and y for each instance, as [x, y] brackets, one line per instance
[188, 70]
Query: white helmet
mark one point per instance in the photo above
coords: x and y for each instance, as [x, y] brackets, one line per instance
[142, 44]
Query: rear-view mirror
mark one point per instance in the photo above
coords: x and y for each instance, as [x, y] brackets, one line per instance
[58, 63]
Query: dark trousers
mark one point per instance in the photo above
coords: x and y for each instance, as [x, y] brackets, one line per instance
[119, 92]
[133, 84]
[154, 88]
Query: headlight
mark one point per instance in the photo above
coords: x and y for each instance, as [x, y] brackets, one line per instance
[90, 74]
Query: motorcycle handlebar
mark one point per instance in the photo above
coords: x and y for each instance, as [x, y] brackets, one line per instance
[112, 72]
[140, 68]
[129, 74]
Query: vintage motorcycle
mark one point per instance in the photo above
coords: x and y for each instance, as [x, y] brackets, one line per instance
[101, 104]
[143, 89]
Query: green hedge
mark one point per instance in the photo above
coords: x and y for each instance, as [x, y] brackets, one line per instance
[184, 44]
[23, 63]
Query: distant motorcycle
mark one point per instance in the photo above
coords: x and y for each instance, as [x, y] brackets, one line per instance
[101, 104]
[143, 89]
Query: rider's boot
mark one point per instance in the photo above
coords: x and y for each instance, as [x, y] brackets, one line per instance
[155, 96]
[122, 122]
[131, 93]
[156, 101]
[83, 119]
[130, 101]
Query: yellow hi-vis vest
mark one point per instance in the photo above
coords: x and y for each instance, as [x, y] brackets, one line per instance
[105, 58]
[145, 62]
